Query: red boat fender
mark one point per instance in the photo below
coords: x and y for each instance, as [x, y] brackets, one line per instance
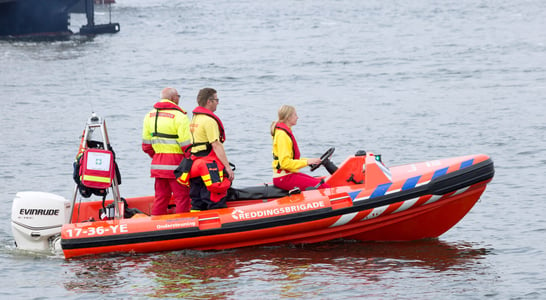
[97, 168]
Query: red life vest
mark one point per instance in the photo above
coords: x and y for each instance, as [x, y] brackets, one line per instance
[204, 111]
[295, 148]
[213, 174]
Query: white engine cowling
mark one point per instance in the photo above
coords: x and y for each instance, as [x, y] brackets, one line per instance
[37, 219]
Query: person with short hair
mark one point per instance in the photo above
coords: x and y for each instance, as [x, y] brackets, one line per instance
[210, 175]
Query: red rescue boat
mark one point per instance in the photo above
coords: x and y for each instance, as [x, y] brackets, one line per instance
[367, 201]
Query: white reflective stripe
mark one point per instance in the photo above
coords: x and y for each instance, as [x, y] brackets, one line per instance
[434, 198]
[361, 199]
[164, 142]
[344, 219]
[407, 204]
[147, 142]
[393, 191]
[185, 143]
[375, 212]
[460, 191]
[163, 167]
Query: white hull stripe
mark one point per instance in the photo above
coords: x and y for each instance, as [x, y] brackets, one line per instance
[376, 212]
[433, 199]
[407, 204]
[379, 211]
[410, 183]
[461, 191]
[344, 219]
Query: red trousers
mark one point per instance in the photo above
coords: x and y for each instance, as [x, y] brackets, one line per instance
[165, 188]
[300, 180]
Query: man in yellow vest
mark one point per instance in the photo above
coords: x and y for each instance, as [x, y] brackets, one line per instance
[165, 136]
[210, 174]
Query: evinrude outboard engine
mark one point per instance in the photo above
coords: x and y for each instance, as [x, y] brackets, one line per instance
[37, 219]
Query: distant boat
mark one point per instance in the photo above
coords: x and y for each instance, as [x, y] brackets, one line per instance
[29, 18]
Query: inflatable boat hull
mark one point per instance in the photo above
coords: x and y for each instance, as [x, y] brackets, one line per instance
[367, 201]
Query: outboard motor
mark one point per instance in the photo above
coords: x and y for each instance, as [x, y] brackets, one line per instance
[37, 219]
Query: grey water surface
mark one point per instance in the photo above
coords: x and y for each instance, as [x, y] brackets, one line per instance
[411, 80]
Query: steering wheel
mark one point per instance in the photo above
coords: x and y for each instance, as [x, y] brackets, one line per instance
[325, 157]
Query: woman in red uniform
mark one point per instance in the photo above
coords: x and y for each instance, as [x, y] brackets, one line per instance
[286, 154]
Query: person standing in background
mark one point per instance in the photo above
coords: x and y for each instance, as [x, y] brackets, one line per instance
[210, 175]
[165, 136]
